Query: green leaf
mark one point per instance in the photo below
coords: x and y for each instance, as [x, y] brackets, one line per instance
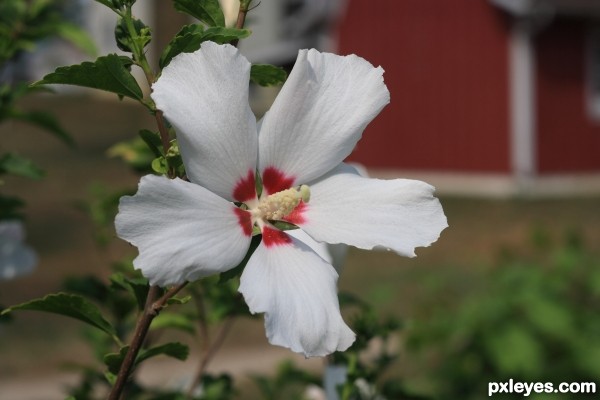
[78, 37]
[111, 378]
[89, 286]
[152, 139]
[14, 164]
[9, 207]
[109, 73]
[515, 351]
[107, 3]
[69, 305]
[551, 317]
[222, 35]
[267, 75]
[135, 153]
[138, 287]
[207, 11]
[114, 360]
[174, 349]
[348, 299]
[160, 165]
[46, 121]
[179, 300]
[190, 37]
[124, 40]
[175, 321]
[283, 226]
[187, 40]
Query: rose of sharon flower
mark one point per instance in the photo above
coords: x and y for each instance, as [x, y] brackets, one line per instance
[16, 258]
[188, 230]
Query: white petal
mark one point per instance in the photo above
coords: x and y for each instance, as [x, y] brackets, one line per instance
[182, 231]
[204, 95]
[334, 254]
[320, 114]
[296, 289]
[398, 214]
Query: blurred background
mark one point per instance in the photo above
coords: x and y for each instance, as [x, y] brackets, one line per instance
[494, 102]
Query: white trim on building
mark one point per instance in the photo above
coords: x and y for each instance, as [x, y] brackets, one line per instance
[522, 102]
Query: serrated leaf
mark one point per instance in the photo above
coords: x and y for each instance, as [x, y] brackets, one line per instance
[14, 164]
[46, 121]
[267, 75]
[109, 73]
[190, 38]
[69, 305]
[187, 40]
[222, 35]
[207, 11]
[176, 350]
[173, 321]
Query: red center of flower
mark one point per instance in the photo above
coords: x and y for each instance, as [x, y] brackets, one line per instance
[244, 220]
[297, 217]
[245, 188]
[279, 201]
[275, 237]
[275, 180]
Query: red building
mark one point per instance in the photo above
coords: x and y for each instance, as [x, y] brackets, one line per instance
[493, 96]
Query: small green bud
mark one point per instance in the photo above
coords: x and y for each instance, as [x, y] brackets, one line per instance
[305, 193]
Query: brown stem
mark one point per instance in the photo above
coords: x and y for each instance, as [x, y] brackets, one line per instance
[202, 321]
[241, 19]
[210, 353]
[163, 131]
[153, 306]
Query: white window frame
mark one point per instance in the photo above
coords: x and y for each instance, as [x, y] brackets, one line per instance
[592, 73]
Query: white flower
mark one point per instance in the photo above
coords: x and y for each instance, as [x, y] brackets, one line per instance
[16, 258]
[187, 230]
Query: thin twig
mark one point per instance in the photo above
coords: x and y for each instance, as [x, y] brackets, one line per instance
[241, 19]
[153, 306]
[138, 338]
[163, 131]
[204, 332]
[210, 353]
